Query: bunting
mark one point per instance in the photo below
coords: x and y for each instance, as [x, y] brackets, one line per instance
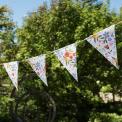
[12, 70]
[105, 42]
[38, 65]
[67, 56]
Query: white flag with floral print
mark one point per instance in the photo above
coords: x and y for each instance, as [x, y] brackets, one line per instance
[67, 56]
[39, 66]
[12, 70]
[105, 42]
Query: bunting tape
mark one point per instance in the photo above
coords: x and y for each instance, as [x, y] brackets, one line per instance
[104, 41]
[50, 52]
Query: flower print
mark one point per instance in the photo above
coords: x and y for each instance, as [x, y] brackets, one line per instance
[69, 56]
[37, 65]
[114, 61]
[106, 46]
[105, 43]
[108, 36]
[95, 37]
[113, 35]
[12, 71]
[109, 39]
[12, 74]
[111, 44]
[104, 36]
[66, 54]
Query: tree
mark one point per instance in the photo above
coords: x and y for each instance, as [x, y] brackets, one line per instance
[7, 53]
[65, 23]
[120, 12]
[64, 99]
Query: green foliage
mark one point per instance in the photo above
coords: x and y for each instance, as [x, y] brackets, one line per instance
[45, 30]
[106, 88]
[105, 117]
[7, 53]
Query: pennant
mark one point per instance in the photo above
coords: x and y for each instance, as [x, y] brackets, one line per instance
[38, 64]
[67, 56]
[105, 42]
[12, 70]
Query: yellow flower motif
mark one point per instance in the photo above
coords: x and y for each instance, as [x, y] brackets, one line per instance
[95, 36]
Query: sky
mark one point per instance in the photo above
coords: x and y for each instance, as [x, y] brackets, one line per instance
[20, 8]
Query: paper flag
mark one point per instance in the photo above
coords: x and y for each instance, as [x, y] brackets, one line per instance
[38, 65]
[67, 56]
[104, 41]
[12, 70]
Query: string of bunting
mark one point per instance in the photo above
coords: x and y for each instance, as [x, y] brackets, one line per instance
[103, 41]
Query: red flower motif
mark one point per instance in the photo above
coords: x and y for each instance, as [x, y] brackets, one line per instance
[69, 55]
[106, 46]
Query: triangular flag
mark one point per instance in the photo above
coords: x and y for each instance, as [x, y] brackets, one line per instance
[12, 70]
[105, 42]
[38, 64]
[67, 56]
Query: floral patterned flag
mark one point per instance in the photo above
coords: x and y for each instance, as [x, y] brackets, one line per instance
[38, 65]
[12, 70]
[67, 56]
[104, 41]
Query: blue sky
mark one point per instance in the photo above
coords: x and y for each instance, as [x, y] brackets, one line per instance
[20, 8]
